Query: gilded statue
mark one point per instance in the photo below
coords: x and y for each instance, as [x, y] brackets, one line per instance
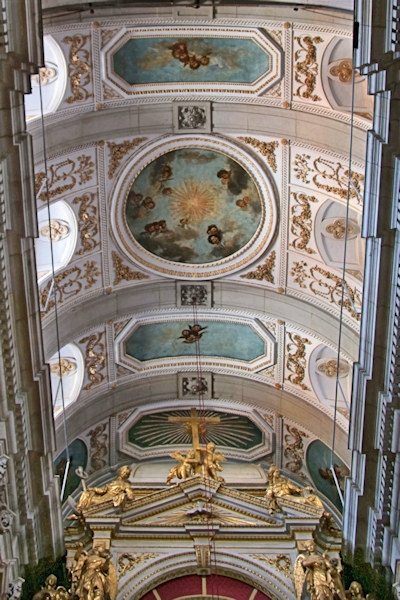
[201, 461]
[93, 575]
[118, 491]
[328, 526]
[52, 591]
[281, 487]
[186, 467]
[318, 577]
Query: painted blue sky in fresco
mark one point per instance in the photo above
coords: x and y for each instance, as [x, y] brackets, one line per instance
[173, 60]
[228, 340]
[193, 206]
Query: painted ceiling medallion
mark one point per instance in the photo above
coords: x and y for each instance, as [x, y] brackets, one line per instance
[194, 207]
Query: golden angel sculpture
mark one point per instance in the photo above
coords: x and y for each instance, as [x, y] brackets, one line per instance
[317, 577]
[200, 461]
[93, 575]
[118, 491]
[281, 487]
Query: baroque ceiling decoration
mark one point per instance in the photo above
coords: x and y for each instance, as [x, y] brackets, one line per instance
[216, 168]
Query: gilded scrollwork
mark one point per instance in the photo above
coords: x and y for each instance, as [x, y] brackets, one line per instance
[79, 67]
[267, 149]
[302, 222]
[294, 449]
[123, 272]
[118, 151]
[95, 358]
[127, 561]
[306, 67]
[263, 271]
[281, 562]
[67, 284]
[296, 361]
[328, 286]
[98, 448]
[88, 222]
[63, 176]
[330, 176]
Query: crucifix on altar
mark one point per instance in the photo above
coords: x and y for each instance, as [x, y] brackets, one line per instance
[198, 461]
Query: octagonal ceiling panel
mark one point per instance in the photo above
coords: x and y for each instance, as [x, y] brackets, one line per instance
[194, 206]
[163, 342]
[155, 433]
[218, 61]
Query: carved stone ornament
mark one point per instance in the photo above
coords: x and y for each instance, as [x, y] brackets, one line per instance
[267, 149]
[342, 70]
[55, 231]
[338, 230]
[330, 176]
[330, 368]
[95, 359]
[79, 67]
[281, 562]
[45, 76]
[192, 385]
[68, 284]
[263, 271]
[296, 361]
[194, 294]
[190, 116]
[306, 67]
[63, 176]
[123, 272]
[63, 367]
[127, 561]
[3, 468]
[6, 518]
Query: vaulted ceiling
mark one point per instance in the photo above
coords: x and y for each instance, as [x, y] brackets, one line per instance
[200, 166]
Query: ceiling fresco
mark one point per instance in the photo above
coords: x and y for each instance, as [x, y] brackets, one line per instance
[193, 205]
[210, 338]
[195, 59]
[219, 59]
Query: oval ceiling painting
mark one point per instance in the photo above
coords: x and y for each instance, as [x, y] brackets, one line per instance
[194, 206]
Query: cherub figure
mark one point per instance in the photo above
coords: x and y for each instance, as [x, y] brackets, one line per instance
[186, 467]
[211, 462]
[192, 334]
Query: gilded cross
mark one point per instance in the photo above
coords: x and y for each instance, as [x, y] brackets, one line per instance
[194, 423]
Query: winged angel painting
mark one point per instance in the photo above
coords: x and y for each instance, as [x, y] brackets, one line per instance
[193, 205]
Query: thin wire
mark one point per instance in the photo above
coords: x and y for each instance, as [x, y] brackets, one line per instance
[204, 440]
[54, 291]
[344, 285]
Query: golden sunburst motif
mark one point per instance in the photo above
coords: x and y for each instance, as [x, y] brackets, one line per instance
[193, 200]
